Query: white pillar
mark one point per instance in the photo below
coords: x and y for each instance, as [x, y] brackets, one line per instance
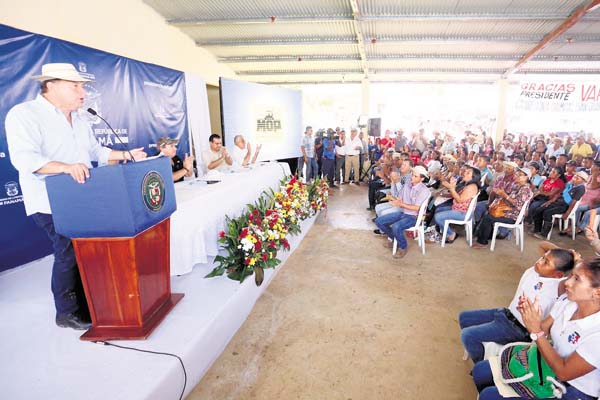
[365, 97]
[503, 87]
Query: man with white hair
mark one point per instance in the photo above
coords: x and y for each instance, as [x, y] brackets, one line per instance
[48, 136]
[242, 151]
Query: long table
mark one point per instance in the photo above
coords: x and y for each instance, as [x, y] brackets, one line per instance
[201, 211]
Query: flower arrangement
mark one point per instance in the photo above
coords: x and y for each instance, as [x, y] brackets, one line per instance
[252, 240]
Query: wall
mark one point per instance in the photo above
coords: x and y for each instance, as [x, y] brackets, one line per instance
[128, 28]
[214, 107]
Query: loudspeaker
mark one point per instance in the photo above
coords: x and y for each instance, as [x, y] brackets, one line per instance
[374, 127]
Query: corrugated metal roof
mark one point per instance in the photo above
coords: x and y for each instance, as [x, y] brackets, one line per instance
[474, 28]
[281, 30]
[296, 66]
[484, 48]
[225, 9]
[440, 64]
[263, 39]
[473, 7]
[287, 50]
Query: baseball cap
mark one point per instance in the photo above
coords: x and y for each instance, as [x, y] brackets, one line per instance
[163, 141]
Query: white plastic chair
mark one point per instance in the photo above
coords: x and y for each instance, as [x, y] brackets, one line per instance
[418, 229]
[596, 222]
[517, 226]
[571, 218]
[467, 222]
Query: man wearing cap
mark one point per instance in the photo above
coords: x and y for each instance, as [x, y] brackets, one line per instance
[168, 148]
[242, 151]
[412, 195]
[542, 216]
[47, 136]
[216, 156]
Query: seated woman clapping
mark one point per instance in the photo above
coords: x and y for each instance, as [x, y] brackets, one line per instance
[505, 325]
[547, 193]
[573, 325]
[505, 208]
[461, 198]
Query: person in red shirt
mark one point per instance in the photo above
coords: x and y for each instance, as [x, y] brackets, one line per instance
[387, 141]
[547, 193]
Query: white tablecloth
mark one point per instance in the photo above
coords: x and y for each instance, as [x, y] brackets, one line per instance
[201, 211]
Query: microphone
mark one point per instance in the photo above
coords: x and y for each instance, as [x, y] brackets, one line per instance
[94, 113]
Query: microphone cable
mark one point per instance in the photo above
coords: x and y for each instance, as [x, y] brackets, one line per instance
[95, 114]
[153, 352]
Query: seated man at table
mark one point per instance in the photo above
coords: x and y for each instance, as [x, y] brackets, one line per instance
[216, 157]
[168, 148]
[242, 151]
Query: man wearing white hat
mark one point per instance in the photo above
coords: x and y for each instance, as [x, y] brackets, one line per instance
[48, 136]
[412, 195]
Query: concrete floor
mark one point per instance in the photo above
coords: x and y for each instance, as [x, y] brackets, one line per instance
[344, 320]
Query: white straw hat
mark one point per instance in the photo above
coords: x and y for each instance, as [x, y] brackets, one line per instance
[64, 71]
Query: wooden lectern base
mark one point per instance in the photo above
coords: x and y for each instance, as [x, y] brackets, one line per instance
[127, 283]
[102, 333]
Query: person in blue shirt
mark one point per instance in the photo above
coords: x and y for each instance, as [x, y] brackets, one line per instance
[328, 157]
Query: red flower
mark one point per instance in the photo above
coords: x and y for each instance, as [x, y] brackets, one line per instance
[265, 257]
[272, 245]
[257, 245]
[222, 234]
[286, 244]
[247, 260]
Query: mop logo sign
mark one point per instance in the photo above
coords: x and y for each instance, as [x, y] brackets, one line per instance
[153, 191]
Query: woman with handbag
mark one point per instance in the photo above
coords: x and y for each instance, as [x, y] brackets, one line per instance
[574, 326]
[505, 208]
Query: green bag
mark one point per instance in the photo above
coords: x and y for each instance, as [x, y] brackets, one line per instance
[525, 370]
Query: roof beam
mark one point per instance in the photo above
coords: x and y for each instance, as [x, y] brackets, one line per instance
[276, 42]
[305, 72]
[268, 59]
[374, 72]
[359, 36]
[575, 17]
[399, 57]
[185, 22]
[428, 40]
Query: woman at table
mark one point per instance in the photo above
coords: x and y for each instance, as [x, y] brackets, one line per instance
[574, 326]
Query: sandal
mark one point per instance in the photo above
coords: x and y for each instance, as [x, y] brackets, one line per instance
[450, 241]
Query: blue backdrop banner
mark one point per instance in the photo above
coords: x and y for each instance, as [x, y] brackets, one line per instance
[141, 101]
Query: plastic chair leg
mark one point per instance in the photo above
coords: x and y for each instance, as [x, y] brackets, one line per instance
[493, 245]
[394, 247]
[444, 234]
[521, 234]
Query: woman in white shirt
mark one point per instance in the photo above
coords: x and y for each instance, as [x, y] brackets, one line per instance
[574, 325]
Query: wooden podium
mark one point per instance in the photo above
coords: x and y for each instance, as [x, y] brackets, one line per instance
[119, 224]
